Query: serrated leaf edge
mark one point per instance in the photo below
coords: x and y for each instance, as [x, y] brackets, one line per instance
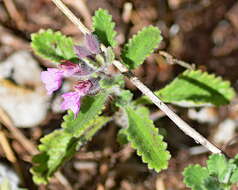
[224, 84]
[162, 148]
[134, 37]
[34, 37]
[112, 25]
[186, 176]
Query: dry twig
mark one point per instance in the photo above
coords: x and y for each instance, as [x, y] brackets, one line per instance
[81, 6]
[14, 14]
[10, 154]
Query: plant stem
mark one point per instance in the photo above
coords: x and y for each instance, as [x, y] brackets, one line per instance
[170, 60]
[71, 16]
[173, 116]
[144, 89]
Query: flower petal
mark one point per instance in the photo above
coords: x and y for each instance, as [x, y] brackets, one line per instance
[52, 78]
[71, 101]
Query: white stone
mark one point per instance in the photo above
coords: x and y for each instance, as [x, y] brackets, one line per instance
[204, 115]
[26, 107]
[8, 174]
[22, 67]
[225, 131]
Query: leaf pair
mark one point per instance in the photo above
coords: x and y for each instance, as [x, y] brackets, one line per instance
[191, 88]
[219, 174]
[137, 49]
[60, 145]
[57, 47]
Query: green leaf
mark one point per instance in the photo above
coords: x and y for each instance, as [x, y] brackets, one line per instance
[144, 137]
[52, 45]
[218, 166]
[234, 176]
[103, 27]
[124, 98]
[195, 88]
[58, 147]
[212, 183]
[54, 149]
[122, 136]
[109, 82]
[91, 107]
[194, 177]
[98, 123]
[140, 46]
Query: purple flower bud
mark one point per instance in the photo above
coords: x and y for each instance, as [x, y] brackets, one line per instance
[92, 43]
[82, 52]
[52, 78]
[95, 88]
[83, 87]
[72, 99]
[69, 68]
[92, 46]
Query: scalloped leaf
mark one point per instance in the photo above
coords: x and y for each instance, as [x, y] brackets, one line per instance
[144, 137]
[212, 183]
[103, 27]
[140, 46]
[52, 45]
[58, 147]
[195, 176]
[122, 136]
[124, 98]
[54, 149]
[234, 176]
[195, 88]
[91, 107]
[219, 166]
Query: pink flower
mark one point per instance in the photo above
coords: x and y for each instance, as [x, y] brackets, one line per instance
[52, 78]
[91, 47]
[72, 99]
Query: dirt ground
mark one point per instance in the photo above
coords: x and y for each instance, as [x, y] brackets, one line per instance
[203, 32]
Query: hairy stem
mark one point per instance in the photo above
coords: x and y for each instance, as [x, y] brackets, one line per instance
[144, 89]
